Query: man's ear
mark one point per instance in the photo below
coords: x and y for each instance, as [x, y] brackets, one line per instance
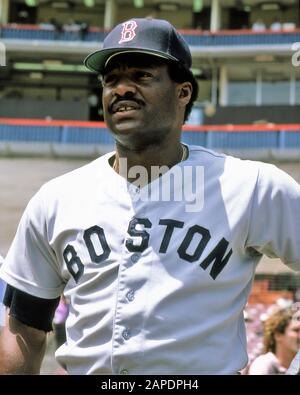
[185, 93]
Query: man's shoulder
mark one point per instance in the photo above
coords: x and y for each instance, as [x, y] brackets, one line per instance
[83, 175]
[73, 184]
[266, 176]
[209, 157]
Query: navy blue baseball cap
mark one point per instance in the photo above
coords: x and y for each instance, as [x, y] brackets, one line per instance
[155, 37]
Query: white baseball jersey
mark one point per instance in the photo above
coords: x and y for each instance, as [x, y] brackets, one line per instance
[155, 288]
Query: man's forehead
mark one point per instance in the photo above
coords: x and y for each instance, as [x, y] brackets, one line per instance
[127, 60]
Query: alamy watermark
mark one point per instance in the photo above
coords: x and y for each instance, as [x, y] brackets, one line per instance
[2, 54]
[296, 54]
[161, 184]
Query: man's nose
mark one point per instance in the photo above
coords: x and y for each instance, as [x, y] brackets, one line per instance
[123, 86]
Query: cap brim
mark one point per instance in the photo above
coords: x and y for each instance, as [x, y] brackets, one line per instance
[98, 60]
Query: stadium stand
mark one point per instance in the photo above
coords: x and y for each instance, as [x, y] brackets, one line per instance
[218, 45]
[193, 37]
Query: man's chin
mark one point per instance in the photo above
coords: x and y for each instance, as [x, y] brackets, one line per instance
[133, 133]
[126, 128]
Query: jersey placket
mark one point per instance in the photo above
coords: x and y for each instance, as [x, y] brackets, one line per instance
[128, 336]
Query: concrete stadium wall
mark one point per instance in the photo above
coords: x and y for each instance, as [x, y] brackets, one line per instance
[250, 114]
[35, 108]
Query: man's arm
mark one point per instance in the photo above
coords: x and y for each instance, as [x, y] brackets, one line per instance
[23, 338]
[22, 348]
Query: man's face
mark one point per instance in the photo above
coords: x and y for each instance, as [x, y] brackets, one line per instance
[140, 101]
[291, 337]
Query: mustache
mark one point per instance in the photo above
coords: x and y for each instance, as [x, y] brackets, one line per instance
[121, 99]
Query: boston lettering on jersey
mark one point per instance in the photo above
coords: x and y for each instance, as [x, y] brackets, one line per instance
[216, 257]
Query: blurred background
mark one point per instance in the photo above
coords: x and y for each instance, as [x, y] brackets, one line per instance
[246, 58]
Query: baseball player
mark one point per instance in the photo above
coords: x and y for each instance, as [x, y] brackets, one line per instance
[155, 244]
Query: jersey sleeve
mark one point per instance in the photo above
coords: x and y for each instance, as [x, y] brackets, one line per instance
[274, 227]
[31, 264]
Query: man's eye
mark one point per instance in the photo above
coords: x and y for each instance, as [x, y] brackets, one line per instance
[109, 79]
[143, 75]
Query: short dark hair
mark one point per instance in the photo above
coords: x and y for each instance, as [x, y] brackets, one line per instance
[179, 73]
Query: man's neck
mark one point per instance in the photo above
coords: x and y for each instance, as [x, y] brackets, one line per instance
[147, 161]
[284, 356]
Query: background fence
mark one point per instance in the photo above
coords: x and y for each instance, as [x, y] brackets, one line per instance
[270, 141]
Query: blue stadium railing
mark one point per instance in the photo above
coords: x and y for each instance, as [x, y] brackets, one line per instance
[268, 136]
[193, 37]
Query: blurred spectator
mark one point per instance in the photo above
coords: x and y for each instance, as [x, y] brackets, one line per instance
[294, 368]
[276, 25]
[47, 25]
[59, 321]
[81, 28]
[253, 315]
[72, 26]
[288, 26]
[53, 25]
[281, 343]
[284, 301]
[297, 295]
[258, 26]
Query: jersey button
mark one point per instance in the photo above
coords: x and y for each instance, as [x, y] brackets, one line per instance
[135, 257]
[126, 334]
[130, 296]
[124, 372]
